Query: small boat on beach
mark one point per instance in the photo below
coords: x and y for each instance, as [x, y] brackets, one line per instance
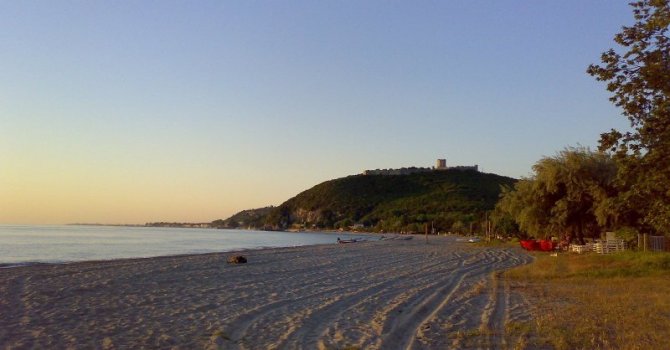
[343, 241]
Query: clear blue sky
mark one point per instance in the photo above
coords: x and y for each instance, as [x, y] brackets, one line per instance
[135, 111]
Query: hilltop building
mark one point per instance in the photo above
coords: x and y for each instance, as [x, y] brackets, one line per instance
[441, 164]
[465, 167]
[401, 171]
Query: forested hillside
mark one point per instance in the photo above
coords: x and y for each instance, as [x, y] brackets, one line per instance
[448, 200]
[251, 218]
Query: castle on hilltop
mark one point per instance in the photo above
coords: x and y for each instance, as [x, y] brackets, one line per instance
[440, 165]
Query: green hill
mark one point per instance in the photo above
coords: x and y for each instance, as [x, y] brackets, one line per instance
[449, 200]
[253, 218]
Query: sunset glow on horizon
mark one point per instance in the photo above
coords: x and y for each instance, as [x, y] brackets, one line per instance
[135, 112]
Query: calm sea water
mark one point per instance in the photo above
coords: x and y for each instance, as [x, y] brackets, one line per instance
[58, 244]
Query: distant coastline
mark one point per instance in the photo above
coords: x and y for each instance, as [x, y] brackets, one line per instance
[212, 226]
[151, 224]
[99, 224]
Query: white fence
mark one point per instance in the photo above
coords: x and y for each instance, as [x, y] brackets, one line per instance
[609, 246]
[645, 242]
[581, 248]
[600, 247]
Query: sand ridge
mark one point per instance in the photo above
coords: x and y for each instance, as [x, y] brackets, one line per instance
[392, 294]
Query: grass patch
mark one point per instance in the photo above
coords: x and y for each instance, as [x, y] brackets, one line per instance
[626, 264]
[590, 301]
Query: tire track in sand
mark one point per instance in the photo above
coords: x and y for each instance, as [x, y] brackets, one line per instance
[469, 309]
[13, 305]
[476, 331]
[314, 324]
[335, 299]
[403, 332]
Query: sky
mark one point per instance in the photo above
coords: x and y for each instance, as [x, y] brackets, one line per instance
[190, 111]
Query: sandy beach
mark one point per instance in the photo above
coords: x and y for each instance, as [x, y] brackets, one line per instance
[391, 294]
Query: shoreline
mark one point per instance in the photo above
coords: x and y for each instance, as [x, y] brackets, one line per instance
[30, 245]
[138, 259]
[370, 294]
[243, 250]
[395, 236]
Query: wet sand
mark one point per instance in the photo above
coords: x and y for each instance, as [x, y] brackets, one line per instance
[392, 294]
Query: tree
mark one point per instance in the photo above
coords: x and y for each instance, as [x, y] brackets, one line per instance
[508, 209]
[529, 208]
[458, 227]
[568, 195]
[504, 224]
[639, 80]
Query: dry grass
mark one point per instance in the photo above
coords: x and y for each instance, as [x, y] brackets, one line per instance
[598, 302]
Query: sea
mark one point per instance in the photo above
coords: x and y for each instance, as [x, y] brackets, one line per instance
[26, 245]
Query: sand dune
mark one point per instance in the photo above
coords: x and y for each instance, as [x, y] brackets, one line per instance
[392, 294]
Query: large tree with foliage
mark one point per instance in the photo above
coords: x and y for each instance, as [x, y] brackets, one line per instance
[568, 195]
[638, 75]
[528, 208]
